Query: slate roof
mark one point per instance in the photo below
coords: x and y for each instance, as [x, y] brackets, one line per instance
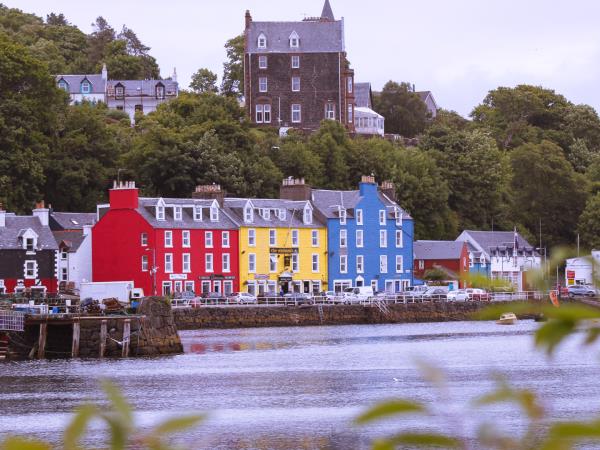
[293, 216]
[438, 249]
[71, 221]
[361, 111]
[147, 210]
[327, 11]
[315, 36]
[74, 83]
[328, 202]
[488, 240]
[362, 95]
[73, 239]
[133, 88]
[16, 226]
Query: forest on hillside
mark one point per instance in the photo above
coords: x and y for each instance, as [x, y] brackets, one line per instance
[527, 156]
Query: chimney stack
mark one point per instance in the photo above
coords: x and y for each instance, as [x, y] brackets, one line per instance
[388, 188]
[123, 195]
[294, 189]
[210, 192]
[42, 213]
[104, 72]
[248, 19]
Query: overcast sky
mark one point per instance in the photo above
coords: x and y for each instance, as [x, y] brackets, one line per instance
[459, 49]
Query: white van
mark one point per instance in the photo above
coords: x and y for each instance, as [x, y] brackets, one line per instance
[357, 294]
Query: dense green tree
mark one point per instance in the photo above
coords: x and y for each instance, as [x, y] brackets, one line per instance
[589, 223]
[546, 188]
[233, 69]
[404, 111]
[204, 81]
[331, 143]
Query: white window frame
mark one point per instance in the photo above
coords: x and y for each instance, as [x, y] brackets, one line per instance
[209, 263]
[160, 212]
[399, 239]
[263, 84]
[307, 216]
[399, 264]
[186, 241]
[251, 237]
[168, 239]
[315, 263]
[34, 269]
[343, 216]
[273, 237]
[267, 113]
[295, 263]
[261, 41]
[350, 113]
[225, 242]
[144, 239]
[350, 84]
[262, 62]
[167, 288]
[360, 241]
[314, 236]
[295, 238]
[382, 217]
[359, 217]
[343, 263]
[144, 263]
[208, 239]
[259, 117]
[421, 264]
[198, 213]
[214, 214]
[383, 238]
[360, 264]
[330, 111]
[296, 113]
[168, 262]
[248, 214]
[295, 61]
[295, 84]
[273, 260]
[226, 262]
[177, 213]
[383, 264]
[186, 263]
[343, 238]
[251, 262]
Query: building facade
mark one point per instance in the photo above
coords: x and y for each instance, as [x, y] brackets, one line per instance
[450, 257]
[28, 253]
[583, 270]
[296, 74]
[165, 245]
[84, 88]
[283, 246]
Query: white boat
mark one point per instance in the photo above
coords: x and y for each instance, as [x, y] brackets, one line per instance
[507, 319]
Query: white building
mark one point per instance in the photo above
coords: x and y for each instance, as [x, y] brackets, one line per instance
[90, 87]
[583, 270]
[366, 120]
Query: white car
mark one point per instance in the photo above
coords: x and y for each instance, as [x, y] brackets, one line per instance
[333, 297]
[460, 295]
[242, 298]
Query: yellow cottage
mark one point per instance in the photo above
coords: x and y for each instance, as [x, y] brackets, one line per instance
[283, 246]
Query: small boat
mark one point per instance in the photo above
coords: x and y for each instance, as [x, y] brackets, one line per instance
[507, 319]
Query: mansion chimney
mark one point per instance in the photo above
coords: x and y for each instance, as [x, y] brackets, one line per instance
[294, 189]
[248, 19]
[210, 192]
[388, 188]
[123, 195]
[42, 213]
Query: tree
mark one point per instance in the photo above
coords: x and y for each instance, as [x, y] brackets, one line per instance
[204, 81]
[546, 188]
[589, 223]
[404, 111]
[233, 69]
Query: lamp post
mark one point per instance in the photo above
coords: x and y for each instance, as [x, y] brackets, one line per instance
[153, 269]
[539, 249]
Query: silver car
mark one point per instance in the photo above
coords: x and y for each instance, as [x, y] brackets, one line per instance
[242, 298]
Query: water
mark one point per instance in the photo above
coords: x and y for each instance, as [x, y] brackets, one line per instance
[287, 388]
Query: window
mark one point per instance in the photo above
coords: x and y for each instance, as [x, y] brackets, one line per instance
[383, 238]
[64, 275]
[186, 263]
[166, 288]
[266, 213]
[350, 113]
[307, 216]
[144, 239]
[382, 217]
[399, 239]
[421, 264]
[160, 213]
[177, 213]
[248, 214]
[208, 262]
[295, 61]
[168, 262]
[226, 262]
[119, 92]
[139, 108]
[263, 113]
[262, 62]
[296, 113]
[315, 262]
[30, 244]
[214, 214]
[295, 84]
[185, 238]
[63, 254]
[360, 264]
[343, 238]
[272, 238]
[62, 84]
[198, 213]
[208, 239]
[343, 264]
[315, 238]
[359, 238]
[145, 263]
[262, 41]
[189, 286]
[350, 84]
[398, 217]
[282, 214]
[168, 239]
[330, 111]
[399, 264]
[295, 238]
[252, 262]
[294, 40]
[342, 213]
[251, 237]
[383, 263]
[359, 217]
[227, 287]
[160, 91]
[225, 239]
[262, 84]
[86, 87]
[295, 263]
[119, 107]
[272, 263]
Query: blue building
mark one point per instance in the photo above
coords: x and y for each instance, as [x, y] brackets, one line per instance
[369, 236]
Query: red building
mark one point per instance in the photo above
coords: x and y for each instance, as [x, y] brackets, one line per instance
[165, 245]
[451, 257]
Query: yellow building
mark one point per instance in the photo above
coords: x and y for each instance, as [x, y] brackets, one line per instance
[283, 246]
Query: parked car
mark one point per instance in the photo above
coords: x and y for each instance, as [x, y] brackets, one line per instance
[213, 296]
[478, 295]
[357, 294]
[299, 298]
[582, 290]
[242, 298]
[460, 295]
[413, 293]
[435, 293]
[334, 297]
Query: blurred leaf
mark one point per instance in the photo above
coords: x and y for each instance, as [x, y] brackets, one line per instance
[118, 402]
[424, 440]
[563, 436]
[390, 408]
[592, 335]
[118, 431]
[524, 398]
[552, 333]
[83, 415]
[18, 443]
[178, 424]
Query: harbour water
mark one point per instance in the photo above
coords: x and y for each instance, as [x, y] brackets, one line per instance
[288, 388]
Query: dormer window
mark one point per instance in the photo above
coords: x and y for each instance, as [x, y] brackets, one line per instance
[266, 213]
[342, 214]
[197, 213]
[119, 92]
[307, 215]
[248, 214]
[28, 239]
[30, 244]
[294, 40]
[177, 215]
[160, 212]
[282, 214]
[86, 87]
[262, 41]
[214, 213]
[160, 91]
[62, 84]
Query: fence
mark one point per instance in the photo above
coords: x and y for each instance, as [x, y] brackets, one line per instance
[12, 320]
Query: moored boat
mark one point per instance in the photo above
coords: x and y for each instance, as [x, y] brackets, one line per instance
[507, 319]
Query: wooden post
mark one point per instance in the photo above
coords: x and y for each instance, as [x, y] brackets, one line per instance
[126, 334]
[42, 340]
[102, 338]
[75, 345]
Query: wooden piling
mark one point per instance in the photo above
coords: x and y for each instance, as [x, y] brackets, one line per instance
[102, 338]
[126, 337]
[75, 344]
[41, 352]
